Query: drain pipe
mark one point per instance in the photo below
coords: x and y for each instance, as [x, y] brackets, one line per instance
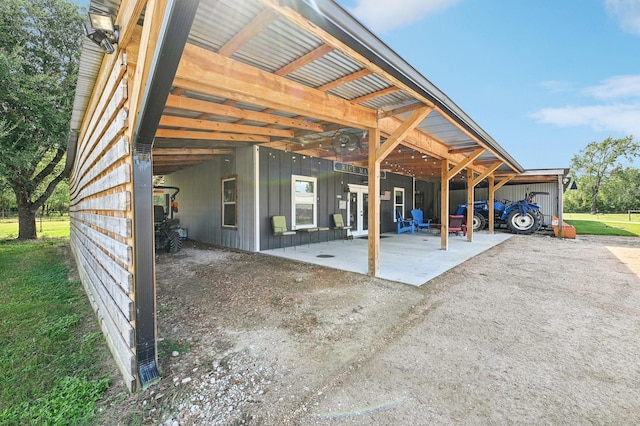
[171, 41]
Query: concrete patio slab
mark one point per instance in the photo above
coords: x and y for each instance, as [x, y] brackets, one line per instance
[410, 259]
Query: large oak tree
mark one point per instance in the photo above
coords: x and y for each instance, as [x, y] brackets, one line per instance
[39, 54]
[596, 163]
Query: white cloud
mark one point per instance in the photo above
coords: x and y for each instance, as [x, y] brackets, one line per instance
[381, 16]
[618, 109]
[619, 87]
[615, 118]
[627, 12]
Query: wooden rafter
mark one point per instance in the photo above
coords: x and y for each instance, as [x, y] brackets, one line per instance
[401, 110]
[190, 151]
[374, 95]
[210, 136]
[304, 60]
[259, 23]
[346, 79]
[224, 110]
[214, 74]
[192, 123]
[295, 17]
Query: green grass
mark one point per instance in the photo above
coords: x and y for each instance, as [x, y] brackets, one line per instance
[52, 354]
[604, 224]
[47, 227]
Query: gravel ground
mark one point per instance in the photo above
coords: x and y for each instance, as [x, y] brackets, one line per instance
[535, 330]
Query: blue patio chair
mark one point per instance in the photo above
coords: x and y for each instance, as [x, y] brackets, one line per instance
[418, 218]
[404, 225]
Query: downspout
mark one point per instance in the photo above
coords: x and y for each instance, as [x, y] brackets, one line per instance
[171, 41]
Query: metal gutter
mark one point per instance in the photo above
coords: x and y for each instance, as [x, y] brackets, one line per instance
[333, 19]
[171, 41]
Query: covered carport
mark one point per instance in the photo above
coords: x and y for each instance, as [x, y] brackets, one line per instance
[191, 80]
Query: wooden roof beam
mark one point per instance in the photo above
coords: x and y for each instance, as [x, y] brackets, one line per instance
[211, 73]
[344, 80]
[374, 95]
[304, 60]
[259, 23]
[193, 123]
[210, 136]
[223, 110]
[190, 151]
[400, 110]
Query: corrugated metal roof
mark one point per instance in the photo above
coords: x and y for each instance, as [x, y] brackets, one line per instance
[281, 42]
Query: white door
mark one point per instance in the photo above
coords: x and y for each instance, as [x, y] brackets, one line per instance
[358, 210]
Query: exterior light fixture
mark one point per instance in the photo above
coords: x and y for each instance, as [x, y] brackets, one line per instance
[102, 31]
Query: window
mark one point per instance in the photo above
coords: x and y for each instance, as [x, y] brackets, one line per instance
[398, 201]
[229, 197]
[304, 201]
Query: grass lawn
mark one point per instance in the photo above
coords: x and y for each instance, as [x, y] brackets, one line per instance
[46, 227]
[53, 356]
[604, 224]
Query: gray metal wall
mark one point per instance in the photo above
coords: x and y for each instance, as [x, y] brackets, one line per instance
[548, 203]
[200, 199]
[276, 168]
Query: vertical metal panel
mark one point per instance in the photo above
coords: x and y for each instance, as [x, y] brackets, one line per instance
[515, 192]
[548, 203]
[243, 237]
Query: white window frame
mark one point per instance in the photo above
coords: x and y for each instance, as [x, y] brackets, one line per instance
[395, 204]
[234, 202]
[304, 199]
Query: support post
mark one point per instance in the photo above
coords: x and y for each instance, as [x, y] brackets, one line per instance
[492, 198]
[165, 33]
[374, 204]
[560, 206]
[444, 205]
[470, 209]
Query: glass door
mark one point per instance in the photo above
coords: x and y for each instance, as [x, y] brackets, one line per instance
[358, 210]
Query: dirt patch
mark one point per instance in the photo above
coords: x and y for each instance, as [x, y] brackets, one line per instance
[509, 336]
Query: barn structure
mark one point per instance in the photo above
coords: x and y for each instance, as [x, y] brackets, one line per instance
[254, 108]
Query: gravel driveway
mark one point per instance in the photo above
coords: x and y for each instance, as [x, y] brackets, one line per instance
[535, 330]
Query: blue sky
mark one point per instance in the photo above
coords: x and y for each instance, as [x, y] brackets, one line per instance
[543, 78]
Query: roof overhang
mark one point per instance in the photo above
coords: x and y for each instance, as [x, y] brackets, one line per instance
[302, 76]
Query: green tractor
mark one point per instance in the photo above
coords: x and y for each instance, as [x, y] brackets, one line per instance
[166, 228]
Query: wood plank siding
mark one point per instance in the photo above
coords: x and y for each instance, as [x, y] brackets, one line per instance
[101, 218]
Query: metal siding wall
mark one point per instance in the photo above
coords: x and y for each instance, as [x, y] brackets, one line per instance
[548, 203]
[244, 237]
[199, 200]
[276, 168]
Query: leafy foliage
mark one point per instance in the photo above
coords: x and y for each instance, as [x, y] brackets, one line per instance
[598, 166]
[39, 55]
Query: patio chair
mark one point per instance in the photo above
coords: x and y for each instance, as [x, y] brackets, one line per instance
[456, 224]
[279, 224]
[339, 225]
[418, 219]
[404, 225]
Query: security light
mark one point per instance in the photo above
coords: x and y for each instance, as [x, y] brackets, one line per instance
[102, 31]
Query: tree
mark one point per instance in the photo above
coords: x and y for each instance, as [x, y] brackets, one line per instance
[39, 55]
[599, 160]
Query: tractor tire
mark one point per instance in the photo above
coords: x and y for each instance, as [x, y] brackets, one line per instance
[527, 223]
[479, 222]
[540, 219]
[174, 244]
